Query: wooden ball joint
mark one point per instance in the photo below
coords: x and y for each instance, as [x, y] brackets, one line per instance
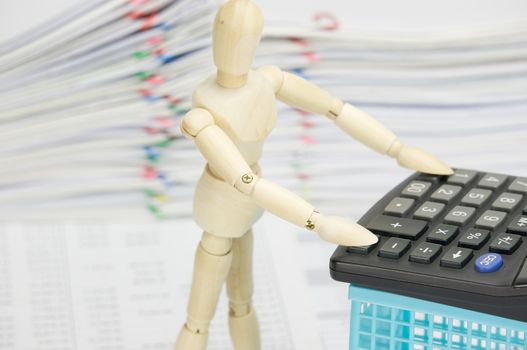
[233, 113]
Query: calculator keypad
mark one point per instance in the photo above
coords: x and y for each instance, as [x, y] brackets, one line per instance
[465, 234]
[464, 215]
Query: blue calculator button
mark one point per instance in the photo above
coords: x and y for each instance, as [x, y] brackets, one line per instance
[489, 263]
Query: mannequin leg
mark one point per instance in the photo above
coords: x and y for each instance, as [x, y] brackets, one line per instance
[243, 323]
[211, 267]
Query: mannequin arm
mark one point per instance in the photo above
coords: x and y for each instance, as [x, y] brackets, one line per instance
[305, 95]
[225, 159]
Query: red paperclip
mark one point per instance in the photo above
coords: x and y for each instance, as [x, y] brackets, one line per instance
[138, 2]
[327, 20]
[149, 22]
[310, 55]
[149, 173]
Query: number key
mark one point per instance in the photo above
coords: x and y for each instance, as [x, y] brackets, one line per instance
[462, 177]
[429, 210]
[446, 193]
[507, 201]
[519, 185]
[491, 219]
[477, 197]
[492, 181]
[460, 215]
[417, 189]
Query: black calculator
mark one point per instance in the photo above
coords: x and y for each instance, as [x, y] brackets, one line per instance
[458, 240]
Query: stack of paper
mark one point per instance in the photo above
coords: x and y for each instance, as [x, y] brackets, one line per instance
[90, 104]
[91, 101]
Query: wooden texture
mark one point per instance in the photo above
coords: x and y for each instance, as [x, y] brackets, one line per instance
[233, 113]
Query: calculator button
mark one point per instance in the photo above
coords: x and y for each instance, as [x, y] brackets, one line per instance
[429, 178]
[365, 250]
[401, 227]
[518, 225]
[443, 234]
[394, 248]
[460, 215]
[507, 201]
[457, 258]
[429, 210]
[446, 193]
[519, 185]
[416, 189]
[425, 253]
[521, 279]
[491, 219]
[462, 177]
[488, 263]
[399, 206]
[474, 238]
[492, 181]
[476, 197]
[505, 243]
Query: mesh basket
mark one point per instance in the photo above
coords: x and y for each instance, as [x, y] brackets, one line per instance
[384, 321]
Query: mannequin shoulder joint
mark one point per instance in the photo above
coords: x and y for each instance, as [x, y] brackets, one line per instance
[274, 75]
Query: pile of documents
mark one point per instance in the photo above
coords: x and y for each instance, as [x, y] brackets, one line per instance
[91, 102]
[90, 106]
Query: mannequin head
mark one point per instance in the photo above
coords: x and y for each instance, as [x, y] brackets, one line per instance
[237, 32]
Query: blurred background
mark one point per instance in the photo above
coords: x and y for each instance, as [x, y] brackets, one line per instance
[96, 181]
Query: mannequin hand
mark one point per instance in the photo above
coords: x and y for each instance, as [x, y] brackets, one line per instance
[343, 231]
[422, 161]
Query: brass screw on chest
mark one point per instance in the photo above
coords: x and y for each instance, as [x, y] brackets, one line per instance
[247, 178]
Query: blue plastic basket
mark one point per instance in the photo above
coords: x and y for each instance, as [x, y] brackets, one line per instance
[384, 321]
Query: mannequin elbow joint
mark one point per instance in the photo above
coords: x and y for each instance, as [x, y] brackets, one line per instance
[246, 183]
[195, 121]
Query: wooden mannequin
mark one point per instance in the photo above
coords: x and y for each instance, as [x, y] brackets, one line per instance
[234, 111]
